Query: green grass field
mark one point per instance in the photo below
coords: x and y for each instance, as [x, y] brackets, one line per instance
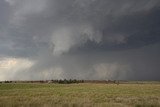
[79, 95]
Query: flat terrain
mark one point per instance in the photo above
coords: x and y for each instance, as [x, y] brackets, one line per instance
[79, 95]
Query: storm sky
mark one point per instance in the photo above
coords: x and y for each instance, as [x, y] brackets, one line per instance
[80, 39]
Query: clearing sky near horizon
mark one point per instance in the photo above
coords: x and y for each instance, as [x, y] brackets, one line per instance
[80, 39]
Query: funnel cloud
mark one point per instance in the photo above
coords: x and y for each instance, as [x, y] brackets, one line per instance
[79, 39]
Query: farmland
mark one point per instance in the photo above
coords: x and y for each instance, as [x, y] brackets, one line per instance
[79, 95]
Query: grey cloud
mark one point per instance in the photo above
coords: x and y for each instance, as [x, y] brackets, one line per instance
[81, 38]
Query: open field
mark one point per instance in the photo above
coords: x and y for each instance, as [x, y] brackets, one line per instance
[79, 95]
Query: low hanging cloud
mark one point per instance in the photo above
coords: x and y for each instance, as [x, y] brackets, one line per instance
[110, 71]
[83, 39]
[67, 37]
[11, 66]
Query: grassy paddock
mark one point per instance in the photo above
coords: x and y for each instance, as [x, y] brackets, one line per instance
[79, 95]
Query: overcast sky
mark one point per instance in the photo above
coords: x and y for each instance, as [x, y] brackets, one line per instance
[80, 39]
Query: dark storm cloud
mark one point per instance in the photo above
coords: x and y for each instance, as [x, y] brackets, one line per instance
[134, 31]
[88, 39]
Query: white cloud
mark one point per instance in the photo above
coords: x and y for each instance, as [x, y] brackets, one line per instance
[67, 37]
[11, 66]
